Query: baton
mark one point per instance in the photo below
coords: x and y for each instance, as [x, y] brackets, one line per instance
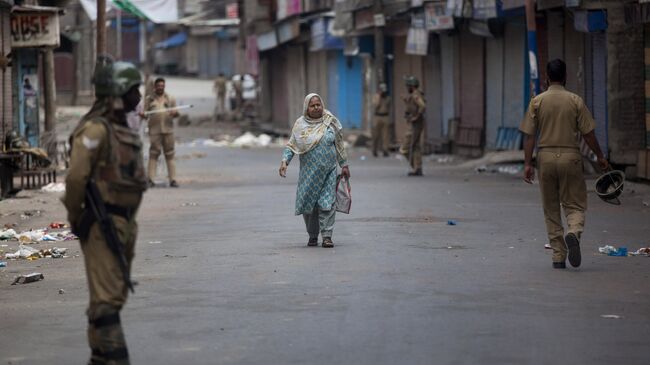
[180, 107]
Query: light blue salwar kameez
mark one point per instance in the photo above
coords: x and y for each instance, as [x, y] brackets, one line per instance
[316, 191]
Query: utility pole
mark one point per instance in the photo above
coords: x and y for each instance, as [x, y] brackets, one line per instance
[76, 56]
[118, 29]
[531, 26]
[101, 27]
[378, 8]
[50, 99]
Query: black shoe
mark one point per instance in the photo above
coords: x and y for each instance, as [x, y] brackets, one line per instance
[559, 265]
[327, 242]
[386, 154]
[151, 184]
[173, 184]
[573, 245]
[374, 154]
[417, 172]
[312, 242]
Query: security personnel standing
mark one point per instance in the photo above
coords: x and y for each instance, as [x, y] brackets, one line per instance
[219, 89]
[411, 147]
[106, 166]
[559, 117]
[381, 102]
[161, 131]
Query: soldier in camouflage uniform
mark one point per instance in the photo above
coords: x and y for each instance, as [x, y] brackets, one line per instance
[411, 146]
[107, 151]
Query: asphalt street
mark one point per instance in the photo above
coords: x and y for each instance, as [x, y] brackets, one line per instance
[225, 276]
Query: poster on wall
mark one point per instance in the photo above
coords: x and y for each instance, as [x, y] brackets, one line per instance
[417, 40]
[436, 17]
[455, 8]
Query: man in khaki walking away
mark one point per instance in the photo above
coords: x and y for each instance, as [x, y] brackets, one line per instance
[558, 118]
[161, 131]
[107, 170]
[381, 121]
[414, 114]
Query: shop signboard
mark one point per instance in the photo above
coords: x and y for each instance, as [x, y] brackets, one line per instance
[30, 28]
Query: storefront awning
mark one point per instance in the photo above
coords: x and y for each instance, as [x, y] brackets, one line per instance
[176, 40]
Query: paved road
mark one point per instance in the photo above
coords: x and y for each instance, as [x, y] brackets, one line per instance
[225, 276]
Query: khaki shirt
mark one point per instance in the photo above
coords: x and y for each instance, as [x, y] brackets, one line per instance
[220, 86]
[160, 123]
[90, 152]
[559, 116]
[415, 105]
[382, 104]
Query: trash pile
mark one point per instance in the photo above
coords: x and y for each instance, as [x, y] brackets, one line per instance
[30, 253]
[623, 252]
[512, 169]
[246, 140]
[38, 235]
[54, 188]
[56, 232]
[249, 140]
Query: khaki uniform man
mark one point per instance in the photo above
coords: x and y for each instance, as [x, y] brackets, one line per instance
[415, 105]
[161, 132]
[559, 117]
[109, 153]
[238, 89]
[220, 90]
[381, 102]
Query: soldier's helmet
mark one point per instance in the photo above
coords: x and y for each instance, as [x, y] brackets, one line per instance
[411, 81]
[114, 78]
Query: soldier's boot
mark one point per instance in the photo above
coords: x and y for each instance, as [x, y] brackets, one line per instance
[106, 338]
[151, 169]
[171, 167]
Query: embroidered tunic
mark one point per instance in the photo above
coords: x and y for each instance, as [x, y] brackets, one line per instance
[317, 177]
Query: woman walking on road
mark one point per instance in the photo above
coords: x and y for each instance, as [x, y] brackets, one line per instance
[317, 137]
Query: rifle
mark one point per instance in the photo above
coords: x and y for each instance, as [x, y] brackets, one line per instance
[97, 206]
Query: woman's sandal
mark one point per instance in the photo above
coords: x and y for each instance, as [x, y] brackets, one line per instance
[327, 242]
[312, 242]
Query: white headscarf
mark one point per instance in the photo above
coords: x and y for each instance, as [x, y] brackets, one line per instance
[307, 132]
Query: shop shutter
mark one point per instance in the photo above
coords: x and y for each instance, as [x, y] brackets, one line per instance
[599, 91]
[472, 91]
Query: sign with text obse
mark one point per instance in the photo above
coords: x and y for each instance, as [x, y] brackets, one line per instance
[34, 29]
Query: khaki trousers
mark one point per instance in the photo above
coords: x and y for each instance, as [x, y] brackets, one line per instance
[108, 292]
[320, 221]
[380, 134]
[412, 147]
[562, 184]
[220, 107]
[162, 143]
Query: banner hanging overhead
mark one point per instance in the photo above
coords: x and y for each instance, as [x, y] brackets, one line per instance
[157, 11]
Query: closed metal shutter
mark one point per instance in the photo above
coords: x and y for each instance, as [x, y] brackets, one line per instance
[317, 74]
[226, 56]
[495, 68]
[278, 81]
[433, 92]
[296, 81]
[472, 91]
[514, 73]
[448, 59]
[599, 74]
